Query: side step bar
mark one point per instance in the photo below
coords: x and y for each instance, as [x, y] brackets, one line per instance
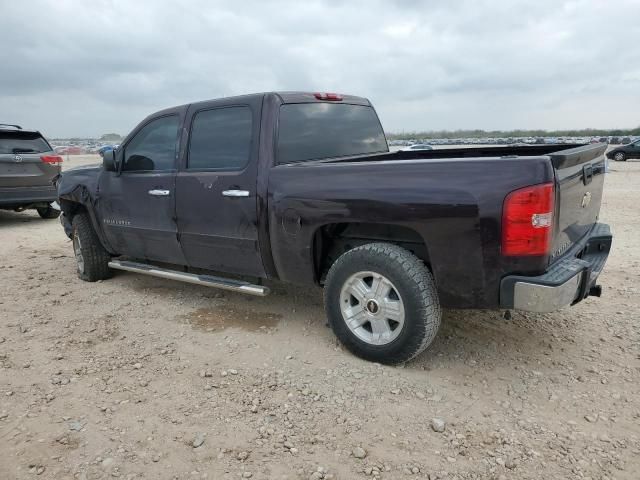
[206, 280]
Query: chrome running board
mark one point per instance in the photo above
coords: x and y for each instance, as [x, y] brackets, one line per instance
[206, 280]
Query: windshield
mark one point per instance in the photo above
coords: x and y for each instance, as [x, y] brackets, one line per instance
[22, 142]
[311, 131]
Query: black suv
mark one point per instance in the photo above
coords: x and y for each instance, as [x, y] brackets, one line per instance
[28, 166]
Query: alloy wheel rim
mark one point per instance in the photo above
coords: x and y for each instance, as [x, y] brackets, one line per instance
[372, 308]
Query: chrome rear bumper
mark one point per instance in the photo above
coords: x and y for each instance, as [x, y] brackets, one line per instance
[567, 282]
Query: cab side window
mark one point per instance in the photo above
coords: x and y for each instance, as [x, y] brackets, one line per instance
[220, 139]
[153, 147]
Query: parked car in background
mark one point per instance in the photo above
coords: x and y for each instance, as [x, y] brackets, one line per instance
[620, 154]
[28, 166]
[418, 146]
[106, 148]
[69, 150]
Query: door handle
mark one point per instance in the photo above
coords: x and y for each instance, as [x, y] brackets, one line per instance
[159, 193]
[235, 193]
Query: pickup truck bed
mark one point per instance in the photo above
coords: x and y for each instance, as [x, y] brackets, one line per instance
[301, 188]
[451, 198]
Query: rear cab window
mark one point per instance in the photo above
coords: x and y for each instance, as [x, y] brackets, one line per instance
[16, 142]
[314, 131]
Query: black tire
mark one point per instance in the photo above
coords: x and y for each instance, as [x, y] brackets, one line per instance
[619, 157]
[48, 212]
[415, 288]
[91, 257]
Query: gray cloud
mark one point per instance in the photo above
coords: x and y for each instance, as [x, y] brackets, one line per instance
[85, 68]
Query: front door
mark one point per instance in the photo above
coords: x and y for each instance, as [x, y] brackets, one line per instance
[137, 207]
[216, 188]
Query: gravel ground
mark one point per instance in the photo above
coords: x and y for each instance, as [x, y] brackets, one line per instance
[137, 377]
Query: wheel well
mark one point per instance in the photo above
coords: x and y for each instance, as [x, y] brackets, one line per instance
[71, 208]
[332, 240]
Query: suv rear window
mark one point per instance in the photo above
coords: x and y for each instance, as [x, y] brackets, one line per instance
[311, 131]
[22, 142]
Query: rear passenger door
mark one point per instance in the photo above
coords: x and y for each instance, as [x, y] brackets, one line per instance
[137, 205]
[216, 203]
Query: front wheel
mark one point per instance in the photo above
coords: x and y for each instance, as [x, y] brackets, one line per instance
[619, 157]
[382, 303]
[92, 260]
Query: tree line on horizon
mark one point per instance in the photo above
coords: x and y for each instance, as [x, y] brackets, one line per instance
[587, 132]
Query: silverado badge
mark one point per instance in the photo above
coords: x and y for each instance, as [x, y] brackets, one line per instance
[586, 200]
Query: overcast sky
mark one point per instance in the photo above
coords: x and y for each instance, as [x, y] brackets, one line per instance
[85, 68]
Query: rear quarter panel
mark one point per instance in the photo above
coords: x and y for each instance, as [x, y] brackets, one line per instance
[454, 204]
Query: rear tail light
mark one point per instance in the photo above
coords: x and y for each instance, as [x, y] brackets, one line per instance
[53, 159]
[527, 221]
[331, 97]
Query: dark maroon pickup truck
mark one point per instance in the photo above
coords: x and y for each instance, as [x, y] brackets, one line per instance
[302, 188]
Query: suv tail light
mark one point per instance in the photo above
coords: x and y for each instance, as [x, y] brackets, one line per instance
[51, 159]
[331, 97]
[527, 221]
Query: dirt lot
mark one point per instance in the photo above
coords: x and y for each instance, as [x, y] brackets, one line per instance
[137, 377]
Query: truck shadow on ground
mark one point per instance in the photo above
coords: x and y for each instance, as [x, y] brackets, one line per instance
[466, 337]
[10, 218]
[479, 337]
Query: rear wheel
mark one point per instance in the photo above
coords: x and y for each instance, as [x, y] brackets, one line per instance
[620, 157]
[92, 260]
[48, 212]
[382, 303]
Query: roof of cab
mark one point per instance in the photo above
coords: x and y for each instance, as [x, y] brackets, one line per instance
[285, 97]
[303, 97]
[297, 97]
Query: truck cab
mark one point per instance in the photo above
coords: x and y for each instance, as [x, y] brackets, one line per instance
[183, 187]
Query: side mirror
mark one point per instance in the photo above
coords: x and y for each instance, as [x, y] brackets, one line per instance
[109, 161]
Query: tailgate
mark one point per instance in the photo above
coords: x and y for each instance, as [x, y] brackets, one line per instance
[25, 170]
[580, 176]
